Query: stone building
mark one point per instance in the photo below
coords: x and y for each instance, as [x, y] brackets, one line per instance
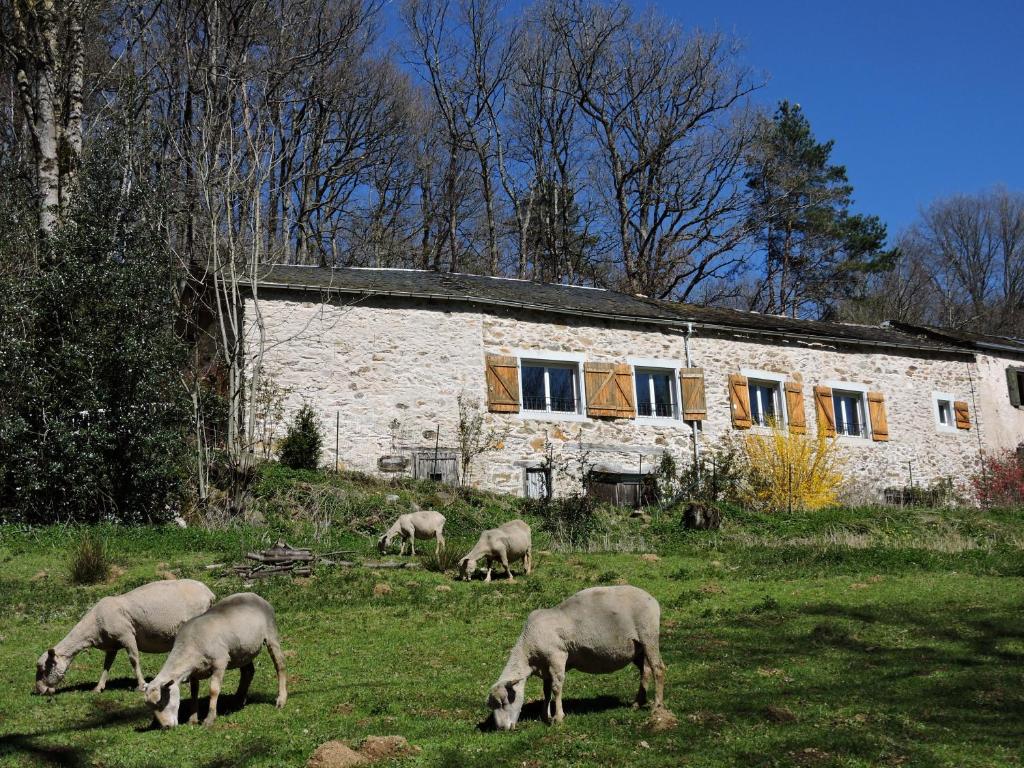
[573, 381]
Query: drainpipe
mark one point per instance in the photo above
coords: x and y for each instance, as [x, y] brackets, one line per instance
[693, 424]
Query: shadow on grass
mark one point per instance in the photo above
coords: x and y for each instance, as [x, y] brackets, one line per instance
[27, 744]
[119, 684]
[894, 682]
[534, 711]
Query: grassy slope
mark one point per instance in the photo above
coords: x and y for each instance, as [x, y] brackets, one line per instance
[841, 639]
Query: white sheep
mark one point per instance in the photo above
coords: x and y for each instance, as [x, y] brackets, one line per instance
[418, 524]
[146, 619]
[228, 636]
[506, 544]
[597, 630]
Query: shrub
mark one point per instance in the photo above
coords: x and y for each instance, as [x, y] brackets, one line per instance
[783, 471]
[445, 560]
[999, 481]
[571, 520]
[717, 475]
[301, 446]
[89, 563]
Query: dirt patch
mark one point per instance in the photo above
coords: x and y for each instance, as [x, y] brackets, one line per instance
[662, 719]
[336, 754]
[376, 748]
[650, 557]
[40, 575]
[443, 588]
[381, 589]
[167, 575]
[779, 714]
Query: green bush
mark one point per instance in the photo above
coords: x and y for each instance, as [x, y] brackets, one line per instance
[89, 562]
[571, 520]
[301, 446]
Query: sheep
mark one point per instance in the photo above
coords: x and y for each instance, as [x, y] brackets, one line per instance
[145, 619]
[228, 636]
[508, 543]
[597, 630]
[418, 524]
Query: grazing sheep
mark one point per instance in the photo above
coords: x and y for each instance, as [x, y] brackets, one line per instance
[145, 619]
[506, 544]
[228, 636]
[597, 630]
[418, 524]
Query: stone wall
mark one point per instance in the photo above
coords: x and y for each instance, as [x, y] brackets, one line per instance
[408, 360]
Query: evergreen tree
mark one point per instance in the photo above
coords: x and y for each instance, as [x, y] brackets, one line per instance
[558, 242]
[816, 251]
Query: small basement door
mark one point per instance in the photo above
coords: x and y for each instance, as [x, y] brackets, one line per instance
[441, 466]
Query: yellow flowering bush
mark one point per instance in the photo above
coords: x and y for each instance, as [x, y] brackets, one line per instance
[788, 471]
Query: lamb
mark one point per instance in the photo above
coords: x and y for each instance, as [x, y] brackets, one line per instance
[145, 619]
[507, 544]
[418, 524]
[597, 630]
[228, 636]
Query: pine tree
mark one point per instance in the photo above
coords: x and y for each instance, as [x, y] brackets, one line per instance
[816, 251]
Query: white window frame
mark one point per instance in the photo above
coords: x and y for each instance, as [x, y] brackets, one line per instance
[656, 365]
[851, 388]
[572, 360]
[757, 376]
[937, 399]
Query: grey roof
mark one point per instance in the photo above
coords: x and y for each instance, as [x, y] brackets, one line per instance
[980, 341]
[581, 301]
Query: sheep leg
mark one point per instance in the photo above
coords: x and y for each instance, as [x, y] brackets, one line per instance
[133, 656]
[401, 550]
[489, 566]
[654, 665]
[440, 541]
[108, 662]
[645, 682]
[412, 543]
[193, 687]
[528, 561]
[547, 700]
[557, 666]
[274, 649]
[244, 682]
[504, 564]
[216, 680]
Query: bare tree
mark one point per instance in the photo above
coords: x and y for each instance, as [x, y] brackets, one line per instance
[668, 120]
[44, 41]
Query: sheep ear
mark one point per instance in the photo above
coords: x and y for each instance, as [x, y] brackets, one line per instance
[510, 687]
[51, 657]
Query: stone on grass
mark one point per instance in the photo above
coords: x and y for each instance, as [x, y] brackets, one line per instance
[650, 558]
[381, 589]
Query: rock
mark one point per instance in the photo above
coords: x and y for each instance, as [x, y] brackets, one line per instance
[443, 588]
[180, 521]
[650, 558]
[392, 498]
[702, 517]
[376, 748]
[167, 575]
[662, 719]
[381, 589]
[336, 754]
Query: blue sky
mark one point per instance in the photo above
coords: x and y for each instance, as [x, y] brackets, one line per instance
[923, 99]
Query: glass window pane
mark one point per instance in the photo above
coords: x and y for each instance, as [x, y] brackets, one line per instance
[533, 388]
[644, 407]
[848, 416]
[662, 394]
[762, 403]
[563, 390]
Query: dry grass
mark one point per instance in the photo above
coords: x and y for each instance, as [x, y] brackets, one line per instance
[89, 562]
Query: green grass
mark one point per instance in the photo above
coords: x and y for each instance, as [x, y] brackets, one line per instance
[846, 638]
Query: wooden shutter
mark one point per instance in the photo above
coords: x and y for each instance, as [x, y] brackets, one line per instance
[963, 415]
[691, 384]
[1013, 386]
[825, 411]
[502, 384]
[879, 421]
[795, 408]
[609, 388]
[739, 400]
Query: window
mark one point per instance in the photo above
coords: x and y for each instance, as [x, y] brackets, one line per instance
[1015, 385]
[655, 393]
[945, 415]
[849, 411]
[765, 402]
[551, 387]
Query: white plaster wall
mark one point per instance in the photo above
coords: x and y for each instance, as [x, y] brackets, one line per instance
[1003, 428]
[409, 360]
